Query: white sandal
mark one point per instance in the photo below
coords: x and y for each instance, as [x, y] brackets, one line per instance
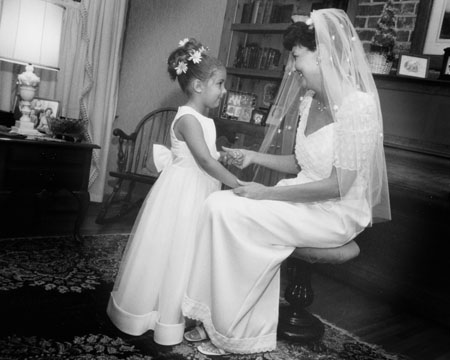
[196, 334]
[209, 349]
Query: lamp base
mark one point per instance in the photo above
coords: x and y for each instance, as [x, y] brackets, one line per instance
[25, 128]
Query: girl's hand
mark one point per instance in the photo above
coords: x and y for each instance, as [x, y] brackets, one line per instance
[240, 158]
[251, 190]
[223, 158]
[232, 156]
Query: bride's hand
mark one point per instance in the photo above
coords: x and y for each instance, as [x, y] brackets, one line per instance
[251, 190]
[240, 158]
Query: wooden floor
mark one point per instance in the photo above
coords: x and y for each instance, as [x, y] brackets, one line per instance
[370, 318]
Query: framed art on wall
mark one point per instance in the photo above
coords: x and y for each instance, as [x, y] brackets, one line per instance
[438, 32]
[413, 66]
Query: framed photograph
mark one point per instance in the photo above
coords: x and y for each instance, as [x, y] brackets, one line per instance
[259, 117]
[238, 105]
[413, 66]
[438, 33]
[269, 93]
[38, 106]
[45, 105]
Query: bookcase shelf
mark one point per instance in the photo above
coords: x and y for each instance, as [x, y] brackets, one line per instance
[251, 49]
[260, 28]
[255, 73]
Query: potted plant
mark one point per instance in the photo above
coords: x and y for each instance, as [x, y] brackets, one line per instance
[383, 41]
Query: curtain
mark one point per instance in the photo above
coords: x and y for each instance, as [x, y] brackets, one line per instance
[102, 39]
[87, 84]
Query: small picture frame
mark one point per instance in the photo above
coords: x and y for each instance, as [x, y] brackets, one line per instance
[41, 105]
[269, 93]
[38, 107]
[415, 66]
[238, 105]
[259, 117]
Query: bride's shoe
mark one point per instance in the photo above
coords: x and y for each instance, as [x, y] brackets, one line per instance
[209, 349]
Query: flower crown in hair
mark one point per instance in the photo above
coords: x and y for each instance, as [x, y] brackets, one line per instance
[194, 55]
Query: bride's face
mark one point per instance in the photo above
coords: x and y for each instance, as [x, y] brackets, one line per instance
[307, 65]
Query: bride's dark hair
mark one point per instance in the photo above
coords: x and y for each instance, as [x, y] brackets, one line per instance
[301, 34]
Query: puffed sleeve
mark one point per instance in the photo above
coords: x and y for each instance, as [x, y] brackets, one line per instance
[357, 132]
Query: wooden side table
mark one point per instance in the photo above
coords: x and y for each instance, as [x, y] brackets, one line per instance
[40, 166]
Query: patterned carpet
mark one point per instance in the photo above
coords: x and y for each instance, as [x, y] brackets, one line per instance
[53, 296]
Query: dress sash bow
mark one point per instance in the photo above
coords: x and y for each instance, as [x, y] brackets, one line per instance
[162, 157]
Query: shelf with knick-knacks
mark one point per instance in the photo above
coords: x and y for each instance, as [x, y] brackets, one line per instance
[252, 47]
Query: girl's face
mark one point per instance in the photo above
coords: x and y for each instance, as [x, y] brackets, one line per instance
[306, 64]
[214, 88]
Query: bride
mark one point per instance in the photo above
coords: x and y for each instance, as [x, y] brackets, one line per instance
[339, 188]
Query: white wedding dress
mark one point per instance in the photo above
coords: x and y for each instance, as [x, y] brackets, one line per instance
[234, 286]
[154, 271]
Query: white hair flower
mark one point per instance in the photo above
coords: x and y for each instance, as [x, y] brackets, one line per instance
[196, 56]
[181, 68]
[183, 42]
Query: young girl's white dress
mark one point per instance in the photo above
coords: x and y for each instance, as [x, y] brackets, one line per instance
[154, 271]
[235, 282]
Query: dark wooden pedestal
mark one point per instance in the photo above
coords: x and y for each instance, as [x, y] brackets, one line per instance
[295, 322]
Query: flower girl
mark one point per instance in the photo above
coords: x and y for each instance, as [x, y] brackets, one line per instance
[154, 271]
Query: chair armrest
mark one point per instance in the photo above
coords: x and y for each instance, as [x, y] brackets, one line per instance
[336, 255]
[126, 145]
[121, 134]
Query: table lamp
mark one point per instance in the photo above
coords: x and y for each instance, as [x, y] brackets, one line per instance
[30, 34]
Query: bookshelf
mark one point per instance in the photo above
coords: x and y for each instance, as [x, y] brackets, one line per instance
[252, 51]
[251, 44]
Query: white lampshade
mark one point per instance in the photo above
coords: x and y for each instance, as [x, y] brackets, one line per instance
[30, 32]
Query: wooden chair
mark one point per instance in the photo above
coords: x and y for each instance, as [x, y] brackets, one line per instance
[295, 322]
[135, 162]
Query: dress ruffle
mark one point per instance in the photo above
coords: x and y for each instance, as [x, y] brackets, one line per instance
[198, 311]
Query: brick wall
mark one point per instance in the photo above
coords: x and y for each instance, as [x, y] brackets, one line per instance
[369, 12]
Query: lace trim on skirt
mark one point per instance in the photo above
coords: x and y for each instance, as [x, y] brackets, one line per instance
[198, 311]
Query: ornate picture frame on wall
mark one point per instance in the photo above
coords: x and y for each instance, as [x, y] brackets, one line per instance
[415, 66]
[438, 34]
[426, 19]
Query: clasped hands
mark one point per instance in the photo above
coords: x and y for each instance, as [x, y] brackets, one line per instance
[241, 158]
[233, 157]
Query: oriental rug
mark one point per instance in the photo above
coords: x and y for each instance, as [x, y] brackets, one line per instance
[53, 296]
